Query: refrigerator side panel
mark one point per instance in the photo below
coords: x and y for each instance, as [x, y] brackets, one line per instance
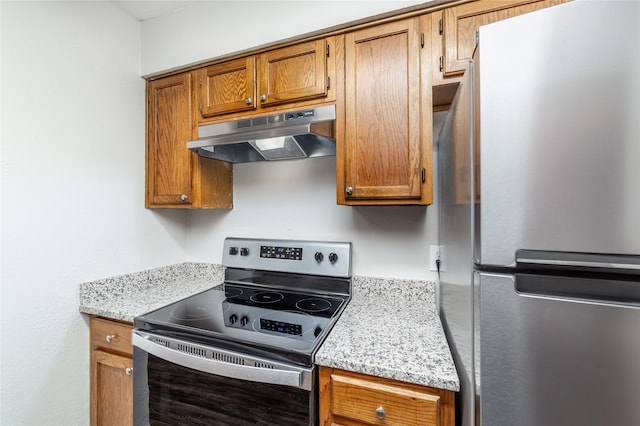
[559, 130]
[455, 215]
[556, 361]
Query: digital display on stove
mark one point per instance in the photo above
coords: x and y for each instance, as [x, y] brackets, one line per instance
[273, 252]
[281, 327]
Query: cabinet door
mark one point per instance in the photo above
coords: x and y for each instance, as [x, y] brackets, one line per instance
[169, 127]
[112, 389]
[383, 147]
[293, 73]
[460, 23]
[227, 87]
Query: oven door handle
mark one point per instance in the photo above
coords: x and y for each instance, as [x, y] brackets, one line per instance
[276, 373]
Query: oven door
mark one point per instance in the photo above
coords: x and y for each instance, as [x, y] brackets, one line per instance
[178, 382]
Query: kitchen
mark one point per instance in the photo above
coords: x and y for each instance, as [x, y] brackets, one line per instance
[130, 239]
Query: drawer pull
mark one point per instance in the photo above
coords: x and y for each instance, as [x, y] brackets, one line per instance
[380, 412]
[110, 337]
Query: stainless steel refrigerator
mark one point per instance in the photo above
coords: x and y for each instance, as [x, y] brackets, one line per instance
[539, 193]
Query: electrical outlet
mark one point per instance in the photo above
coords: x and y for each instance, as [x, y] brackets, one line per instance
[435, 253]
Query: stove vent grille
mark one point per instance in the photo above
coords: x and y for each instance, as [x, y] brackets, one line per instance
[262, 365]
[192, 350]
[227, 358]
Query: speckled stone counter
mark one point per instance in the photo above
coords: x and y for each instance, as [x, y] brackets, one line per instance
[127, 296]
[391, 329]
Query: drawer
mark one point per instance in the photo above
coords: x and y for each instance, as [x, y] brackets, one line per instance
[375, 401]
[111, 335]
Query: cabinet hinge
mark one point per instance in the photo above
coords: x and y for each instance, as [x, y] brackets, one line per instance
[328, 83]
[200, 107]
[422, 40]
[424, 175]
[327, 50]
[200, 81]
[441, 66]
[440, 27]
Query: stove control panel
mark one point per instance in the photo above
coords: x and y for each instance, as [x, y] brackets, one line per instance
[309, 257]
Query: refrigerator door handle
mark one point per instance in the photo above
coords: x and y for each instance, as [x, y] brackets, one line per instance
[613, 263]
[608, 291]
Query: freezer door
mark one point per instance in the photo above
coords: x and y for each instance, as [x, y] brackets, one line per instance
[570, 358]
[559, 134]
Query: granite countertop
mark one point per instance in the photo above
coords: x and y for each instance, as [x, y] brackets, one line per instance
[391, 329]
[401, 338]
[126, 296]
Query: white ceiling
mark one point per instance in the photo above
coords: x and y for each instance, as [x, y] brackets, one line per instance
[147, 9]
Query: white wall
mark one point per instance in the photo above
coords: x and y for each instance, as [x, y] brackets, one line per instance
[288, 199]
[72, 195]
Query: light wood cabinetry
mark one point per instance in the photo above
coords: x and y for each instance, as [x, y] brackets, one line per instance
[384, 142]
[458, 26]
[289, 75]
[111, 373]
[352, 399]
[176, 177]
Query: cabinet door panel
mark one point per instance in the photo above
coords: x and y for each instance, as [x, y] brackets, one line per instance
[460, 24]
[228, 87]
[113, 389]
[169, 125]
[293, 73]
[383, 146]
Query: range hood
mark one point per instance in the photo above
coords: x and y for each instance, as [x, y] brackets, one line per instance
[284, 136]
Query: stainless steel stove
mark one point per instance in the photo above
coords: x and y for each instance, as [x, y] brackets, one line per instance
[253, 337]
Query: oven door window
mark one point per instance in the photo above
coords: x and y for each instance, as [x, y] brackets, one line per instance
[179, 395]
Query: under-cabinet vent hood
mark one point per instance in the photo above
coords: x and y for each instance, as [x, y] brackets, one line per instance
[284, 136]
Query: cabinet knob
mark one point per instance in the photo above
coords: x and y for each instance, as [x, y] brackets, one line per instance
[380, 412]
[263, 97]
[128, 371]
[349, 190]
[248, 101]
[183, 197]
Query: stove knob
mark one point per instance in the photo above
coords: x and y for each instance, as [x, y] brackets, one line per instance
[333, 258]
[244, 320]
[317, 331]
[233, 319]
[233, 251]
[244, 251]
[318, 256]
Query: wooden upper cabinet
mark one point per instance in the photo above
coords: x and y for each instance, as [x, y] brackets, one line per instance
[288, 75]
[169, 126]
[386, 156]
[294, 73]
[177, 177]
[228, 87]
[460, 23]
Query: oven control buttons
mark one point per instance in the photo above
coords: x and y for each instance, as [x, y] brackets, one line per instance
[333, 258]
[244, 251]
[318, 256]
[233, 251]
[280, 327]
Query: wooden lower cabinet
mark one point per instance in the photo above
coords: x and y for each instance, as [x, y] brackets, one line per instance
[111, 373]
[353, 399]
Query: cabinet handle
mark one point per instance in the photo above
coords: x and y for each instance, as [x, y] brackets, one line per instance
[183, 197]
[263, 97]
[128, 371]
[349, 190]
[380, 412]
[110, 338]
[248, 101]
